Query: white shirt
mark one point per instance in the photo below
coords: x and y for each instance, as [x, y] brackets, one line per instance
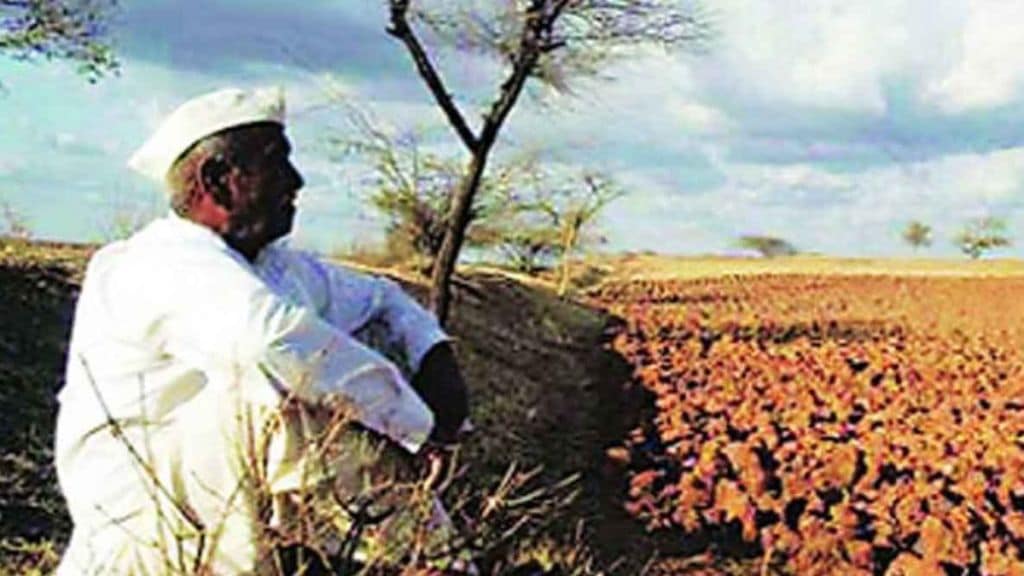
[177, 338]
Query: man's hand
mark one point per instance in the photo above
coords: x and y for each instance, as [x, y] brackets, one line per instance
[439, 382]
[439, 463]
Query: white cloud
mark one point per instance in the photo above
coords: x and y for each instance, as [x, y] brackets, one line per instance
[857, 213]
[651, 216]
[65, 140]
[990, 71]
[838, 55]
[658, 91]
[998, 176]
[943, 193]
[829, 54]
[698, 118]
[786, 177]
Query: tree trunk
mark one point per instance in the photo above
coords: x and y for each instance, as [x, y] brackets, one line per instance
[479, 146]
[455, 234]
[569, 243]
[458, 218]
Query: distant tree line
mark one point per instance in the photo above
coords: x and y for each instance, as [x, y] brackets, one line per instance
[977, 236]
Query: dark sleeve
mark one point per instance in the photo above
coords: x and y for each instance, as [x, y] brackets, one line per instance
[439, 383]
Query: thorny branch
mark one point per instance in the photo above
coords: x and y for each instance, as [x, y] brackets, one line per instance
[117, 432]
[401, 29]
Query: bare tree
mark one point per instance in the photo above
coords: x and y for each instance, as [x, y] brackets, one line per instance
[412, 185]
[598, 191]
[917, 234]
[767, 246]
[547, 40]
[527, 246]
[981, 235]
[59, 29]
[568, 209]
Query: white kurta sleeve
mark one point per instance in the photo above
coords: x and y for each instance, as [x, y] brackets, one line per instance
[219, 316]
[356, 301]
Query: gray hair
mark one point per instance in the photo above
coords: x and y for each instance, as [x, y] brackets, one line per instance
[228, 145]
[184, 172]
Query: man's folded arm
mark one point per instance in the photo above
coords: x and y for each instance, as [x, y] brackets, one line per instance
[436, 376]
[222, 316]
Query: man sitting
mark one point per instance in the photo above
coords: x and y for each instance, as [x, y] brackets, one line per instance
[202, 350]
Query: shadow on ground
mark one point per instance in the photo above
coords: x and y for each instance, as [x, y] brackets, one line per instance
[38, 285]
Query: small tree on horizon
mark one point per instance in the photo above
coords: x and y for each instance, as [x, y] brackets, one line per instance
[767, 246]
[13, 224]
[981, 235]
[917, 234]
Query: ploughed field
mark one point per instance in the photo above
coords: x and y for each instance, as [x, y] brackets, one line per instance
[831, 424]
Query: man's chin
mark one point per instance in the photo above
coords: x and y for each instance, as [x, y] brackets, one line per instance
[281, 232]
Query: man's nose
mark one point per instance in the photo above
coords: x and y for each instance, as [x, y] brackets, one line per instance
[297, 178]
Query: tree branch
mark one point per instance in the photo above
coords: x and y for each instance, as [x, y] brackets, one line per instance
[401, 30]
[523, 65]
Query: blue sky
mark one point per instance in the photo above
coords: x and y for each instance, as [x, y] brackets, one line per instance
[829, 123]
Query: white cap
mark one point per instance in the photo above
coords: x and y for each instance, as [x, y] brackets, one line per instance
[201, 117]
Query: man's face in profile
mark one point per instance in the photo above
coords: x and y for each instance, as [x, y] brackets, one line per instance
[264, 187]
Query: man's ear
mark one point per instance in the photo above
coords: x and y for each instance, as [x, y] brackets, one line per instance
[213, 179]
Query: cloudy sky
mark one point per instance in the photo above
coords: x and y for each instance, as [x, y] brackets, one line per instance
[829, 123]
